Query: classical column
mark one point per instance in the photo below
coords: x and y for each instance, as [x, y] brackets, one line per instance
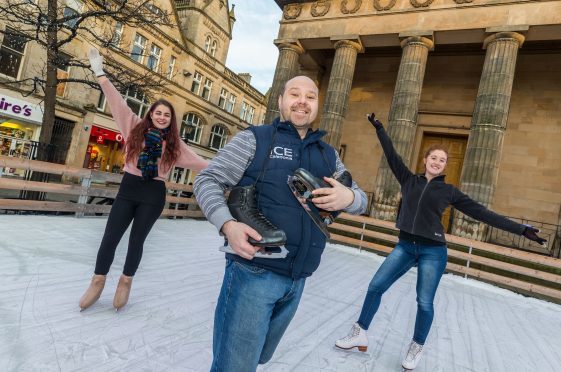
[339, 87]
[402, 122]
[488, 125]
[287, 68]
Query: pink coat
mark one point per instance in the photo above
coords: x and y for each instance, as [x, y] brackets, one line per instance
[126, 120]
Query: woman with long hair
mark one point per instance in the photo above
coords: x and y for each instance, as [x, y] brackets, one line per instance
[153, 148]
[421, 241]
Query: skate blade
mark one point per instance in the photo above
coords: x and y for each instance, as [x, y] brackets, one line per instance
[282, 254]
[313, 212]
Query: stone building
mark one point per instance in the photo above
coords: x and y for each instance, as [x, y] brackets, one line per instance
[212, 102]
[480, 76]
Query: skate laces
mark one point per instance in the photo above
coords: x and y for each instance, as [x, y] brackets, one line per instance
[355, 331]
[414, 350]
[260, 219]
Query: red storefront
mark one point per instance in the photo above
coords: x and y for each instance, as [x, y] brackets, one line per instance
[106, 150]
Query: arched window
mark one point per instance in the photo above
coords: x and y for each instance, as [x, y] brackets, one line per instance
[218, 137]
[207, 44]
[213, 48]
[191, 128]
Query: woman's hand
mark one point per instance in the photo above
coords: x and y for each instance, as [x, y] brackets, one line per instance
[530, 232]
[375, 122]
[96, 62]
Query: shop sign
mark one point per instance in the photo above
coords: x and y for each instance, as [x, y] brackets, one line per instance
[20, 109]
[102, 134]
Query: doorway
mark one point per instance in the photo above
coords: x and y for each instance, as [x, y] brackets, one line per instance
[456, 146]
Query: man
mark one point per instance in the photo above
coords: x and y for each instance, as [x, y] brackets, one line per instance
[259, 296]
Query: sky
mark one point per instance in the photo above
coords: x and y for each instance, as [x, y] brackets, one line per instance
[252, 49]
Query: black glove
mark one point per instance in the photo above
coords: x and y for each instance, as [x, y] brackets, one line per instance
[375, 122]
[530, 232]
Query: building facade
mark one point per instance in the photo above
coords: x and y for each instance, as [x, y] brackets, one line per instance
[187, 55]
[482, 77]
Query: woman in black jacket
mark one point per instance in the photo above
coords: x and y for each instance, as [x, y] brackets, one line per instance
[421, 241]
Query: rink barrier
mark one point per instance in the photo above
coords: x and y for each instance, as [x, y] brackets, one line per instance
[524, 272]
[93, 184]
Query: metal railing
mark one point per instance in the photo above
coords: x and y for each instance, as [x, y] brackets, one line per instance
[548, 231]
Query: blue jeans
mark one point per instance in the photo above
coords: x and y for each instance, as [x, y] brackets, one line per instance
[431, 261]
[254, 309]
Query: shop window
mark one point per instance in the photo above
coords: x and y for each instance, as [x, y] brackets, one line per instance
[11, 52]
[171, 67]
[231, 103]
[218, 137]
[207, 89]
[105, 151]
[117, 35]
[62, 72]
[191, 128]
[137, 101]
[138, 48]
[197, 79]
[223, 98]
[154, 57]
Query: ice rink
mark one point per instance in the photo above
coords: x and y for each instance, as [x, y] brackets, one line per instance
[47, 262]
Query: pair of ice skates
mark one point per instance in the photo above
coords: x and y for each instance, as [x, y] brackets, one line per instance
[358, 338]
[243, 206]
[97, 284]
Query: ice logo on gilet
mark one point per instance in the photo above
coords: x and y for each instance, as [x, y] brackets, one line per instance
[279, 152]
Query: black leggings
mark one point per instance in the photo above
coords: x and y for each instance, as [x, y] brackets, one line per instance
[125, 210]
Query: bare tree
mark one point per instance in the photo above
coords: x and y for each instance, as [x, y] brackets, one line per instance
[54, 28]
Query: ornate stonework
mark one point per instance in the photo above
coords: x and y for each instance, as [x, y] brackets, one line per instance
[320, 8]
[354, 9]
[379, 7]
[292, 11]
[421, 4]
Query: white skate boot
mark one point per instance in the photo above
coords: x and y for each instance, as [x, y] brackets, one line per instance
[357, 337]
[413, 356]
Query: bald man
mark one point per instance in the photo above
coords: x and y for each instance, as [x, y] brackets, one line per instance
[259, 296]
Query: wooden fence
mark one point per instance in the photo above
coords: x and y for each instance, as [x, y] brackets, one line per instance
[528, 273]
[524, 272]
[92, 184]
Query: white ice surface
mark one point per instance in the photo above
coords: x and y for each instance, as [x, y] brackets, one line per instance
[46, 263]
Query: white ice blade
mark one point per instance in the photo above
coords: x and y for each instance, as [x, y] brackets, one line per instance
[282, 254]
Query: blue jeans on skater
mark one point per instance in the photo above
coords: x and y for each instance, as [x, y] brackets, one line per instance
[431, 262]
[254, 309]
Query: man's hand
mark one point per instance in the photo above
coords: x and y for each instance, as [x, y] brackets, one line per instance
[375, 122]
[335, 198]
[302, 201]
[238, 234]
[530, 232]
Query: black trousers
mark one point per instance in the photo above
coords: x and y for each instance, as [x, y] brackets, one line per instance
[140, 202]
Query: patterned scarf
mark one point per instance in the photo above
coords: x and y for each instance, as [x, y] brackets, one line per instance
[152, 151]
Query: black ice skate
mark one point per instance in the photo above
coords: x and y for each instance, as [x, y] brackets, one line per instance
[302, 183]
[242, 203]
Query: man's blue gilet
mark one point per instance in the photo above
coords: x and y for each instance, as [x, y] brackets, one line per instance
[281, 143]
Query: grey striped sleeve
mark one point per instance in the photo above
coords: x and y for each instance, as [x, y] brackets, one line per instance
[360, 202]
[224, 171]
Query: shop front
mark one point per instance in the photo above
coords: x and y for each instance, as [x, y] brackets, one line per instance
[105, 151]
[20, 125]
